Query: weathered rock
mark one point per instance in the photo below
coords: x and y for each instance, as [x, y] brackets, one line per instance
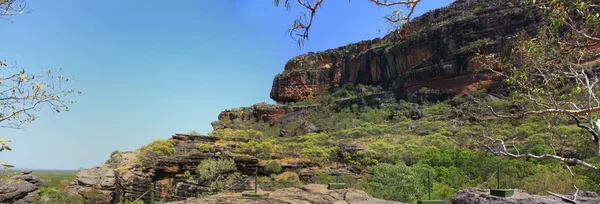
[17, 191]
[350, 148]
[94, 185]
[436, 53]
[30, 179]
[258, 112]
[482, 196]
[313, 193]
[123, 179]
[22, 188]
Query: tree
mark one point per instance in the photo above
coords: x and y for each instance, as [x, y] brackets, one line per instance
[553, 73]
[214, 170]
[303, 22]
[12, 7]
[23, 94]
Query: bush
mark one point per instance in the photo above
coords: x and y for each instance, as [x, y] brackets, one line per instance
[148, 154]
[113, 153]
[210, 168]
[287, 179]
[205, 147]
[55, 195]
[397, 182]
[273, 167]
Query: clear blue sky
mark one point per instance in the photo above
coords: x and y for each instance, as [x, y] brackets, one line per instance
[149, 69]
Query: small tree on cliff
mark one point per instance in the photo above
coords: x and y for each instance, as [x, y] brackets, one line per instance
[215, 170]
[23, 94]
[303, 22]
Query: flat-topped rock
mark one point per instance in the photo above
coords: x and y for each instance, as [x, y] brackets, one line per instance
[312, 193]
[482, 196]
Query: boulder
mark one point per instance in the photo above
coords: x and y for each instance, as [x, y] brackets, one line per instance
[17, 191]
[312, 193]
[482, 196]
[94, 185]
[22, 188]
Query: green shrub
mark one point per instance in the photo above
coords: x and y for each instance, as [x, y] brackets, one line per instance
[113, 153]
[397, 182]
[287, 179]
[205, 147]
[149, 154]
[273, 167]
[55, 195]
[214, 171]
[211, 168]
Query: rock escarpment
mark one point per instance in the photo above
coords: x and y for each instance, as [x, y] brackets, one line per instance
[20, 189]
[436, 52]
[285, 114]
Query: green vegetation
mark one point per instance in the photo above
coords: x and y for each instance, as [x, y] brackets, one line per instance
[149, 154]
[346, 91]
[214, 171]
[205, 147]
[273, 167]
[475, 46]
[446, 140]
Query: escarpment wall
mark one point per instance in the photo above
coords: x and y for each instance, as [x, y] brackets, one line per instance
[436, 52]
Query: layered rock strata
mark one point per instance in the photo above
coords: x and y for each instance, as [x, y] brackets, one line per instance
[435, 51]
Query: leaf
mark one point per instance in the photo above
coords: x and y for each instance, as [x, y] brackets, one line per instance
[7, 148]
[6, 165]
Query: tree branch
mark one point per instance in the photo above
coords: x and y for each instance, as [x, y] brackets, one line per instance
[546, 111]
[569, 161]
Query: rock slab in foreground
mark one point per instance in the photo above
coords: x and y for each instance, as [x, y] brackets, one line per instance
[312, 193]
[482, 196]
[20, 188]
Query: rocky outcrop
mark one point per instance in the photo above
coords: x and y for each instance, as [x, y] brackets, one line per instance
[482, 196]
[436, 52]
[172, 177]
[312, 193]
[260, 112]
[295, 114]
[94, 185]
[20, 189]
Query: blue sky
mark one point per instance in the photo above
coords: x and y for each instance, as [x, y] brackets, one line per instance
[149, 69]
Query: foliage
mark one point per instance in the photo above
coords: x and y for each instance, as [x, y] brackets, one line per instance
[273, 167]
[215, 171]
[287, 179]
[4, 146]
[149, 154]
[55, 195]
[237, 135]
[205, 147]
[387, 180]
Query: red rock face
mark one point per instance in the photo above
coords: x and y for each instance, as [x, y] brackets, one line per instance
[435, 52]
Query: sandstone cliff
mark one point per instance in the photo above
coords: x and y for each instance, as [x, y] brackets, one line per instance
[436, 53]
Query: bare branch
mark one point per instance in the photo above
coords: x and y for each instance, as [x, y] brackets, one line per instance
[569, 161]
[574, 183]
[546, 111]
[303, 23]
